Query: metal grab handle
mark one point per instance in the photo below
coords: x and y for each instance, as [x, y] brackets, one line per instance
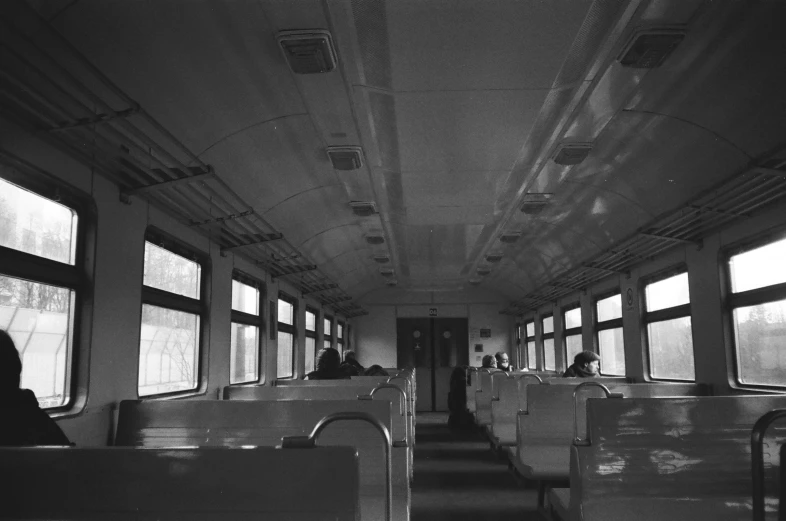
[402, 404]
[609, 394]
[409, 384]
[757, 463]
[310, 441]
[536, 377]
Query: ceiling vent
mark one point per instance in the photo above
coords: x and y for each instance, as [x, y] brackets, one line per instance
[375, 239]
[482, 270]
[533, 204]
[391, 282]
[649, 48]
[382, 259]
[345, 158]
[386, 272]
[475, 282]
[363, 208]
[308, 52]
[510, 237]
[572, 153]
[494, 257]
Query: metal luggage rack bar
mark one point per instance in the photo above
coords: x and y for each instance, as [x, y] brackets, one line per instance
[78, 110]
[733, 199]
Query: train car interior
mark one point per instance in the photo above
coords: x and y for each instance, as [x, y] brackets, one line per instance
[393, 259]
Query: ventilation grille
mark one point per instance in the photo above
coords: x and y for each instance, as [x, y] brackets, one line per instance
[345, 158]
[572, 153]
[483, 270]
[475, 282]
[648, 49]
[533, 204]
[375, 239]
[510, 237]
[393, 282]
[386, 272]
[363, 208]
[308, 52]
[382, 259]
[494, 257]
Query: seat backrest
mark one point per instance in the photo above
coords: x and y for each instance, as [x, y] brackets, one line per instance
[681, 457]
[258, 423]
[71, 483]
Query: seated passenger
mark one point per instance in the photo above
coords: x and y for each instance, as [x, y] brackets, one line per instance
[489, 362]
[328, 366]
[24, 422]
[375, 370]
[585, 364]
[503, 363]
[351, 366]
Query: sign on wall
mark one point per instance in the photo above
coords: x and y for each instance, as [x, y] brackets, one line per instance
[485, 333]
[432, 312]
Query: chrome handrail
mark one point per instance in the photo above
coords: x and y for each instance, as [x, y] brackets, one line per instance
[310, 441]
[609, 394]
[409, 384]
[402, 404]
[757, 463]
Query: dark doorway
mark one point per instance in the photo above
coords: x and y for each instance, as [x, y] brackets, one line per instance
[433, 346]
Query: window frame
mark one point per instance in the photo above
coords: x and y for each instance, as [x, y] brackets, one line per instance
[327, 336]
[661, 315]
[517, 334]
[572, 331]
[76, 278]
[532, 339]
[605, 325]
[282, 327]
[249, 319]
[311, 333]
[548, 336]
[340, 327]
[752, 297]
[164, 299]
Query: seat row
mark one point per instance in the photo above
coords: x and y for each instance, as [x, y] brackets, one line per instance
[607, 449]
[337, 449]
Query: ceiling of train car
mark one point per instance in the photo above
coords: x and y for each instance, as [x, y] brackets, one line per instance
[459, 106]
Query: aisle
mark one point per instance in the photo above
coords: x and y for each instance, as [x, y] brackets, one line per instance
[458, 478]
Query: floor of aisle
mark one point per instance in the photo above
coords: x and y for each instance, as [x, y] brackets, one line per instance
[457, 477]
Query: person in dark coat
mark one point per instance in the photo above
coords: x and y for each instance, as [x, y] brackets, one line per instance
[488, 362]
[503, 362]
[585, 365]
[351, 366]
[24, 422]
[328, 366]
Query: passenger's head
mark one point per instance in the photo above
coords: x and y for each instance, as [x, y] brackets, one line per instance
[328, 359]
[588, 361]
[10, 364]
[349, 355]
[502, 360]
[375, 370]
[489, 361]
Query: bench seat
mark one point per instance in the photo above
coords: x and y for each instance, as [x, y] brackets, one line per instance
[216, 484]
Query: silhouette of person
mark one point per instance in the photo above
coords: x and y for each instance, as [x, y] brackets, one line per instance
[351, 366]
[24, 422]
[328, 366]
[489, 362]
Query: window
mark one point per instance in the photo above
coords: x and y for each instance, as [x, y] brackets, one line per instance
[340, 336]
[549, 355]
[40, 287]
[172, 309]
[669, 331]
[328, 331]
[572, 333]
[532, 357]
[246, 330]
[311, 339]
[517, 332]
[285, 366]
[608, 329]
[757, 300]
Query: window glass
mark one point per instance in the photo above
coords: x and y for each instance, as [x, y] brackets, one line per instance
[609, 308]
[573, 318]
[671, 349]
[532, 361]
[758, 268]
[328, 327]
[36, 225]
[612, 352]
[340, 330]
[39, 319]
[170, 272]
[573, 346]
[168, 351]
[285, 362]
[549, 359]
[245, 298]
[760, 335]
[327, 344]
[244, 346]
[311, 348]
[530, 329]
[667, 293]
[548, 325]
[286, 312]
[311, 321]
